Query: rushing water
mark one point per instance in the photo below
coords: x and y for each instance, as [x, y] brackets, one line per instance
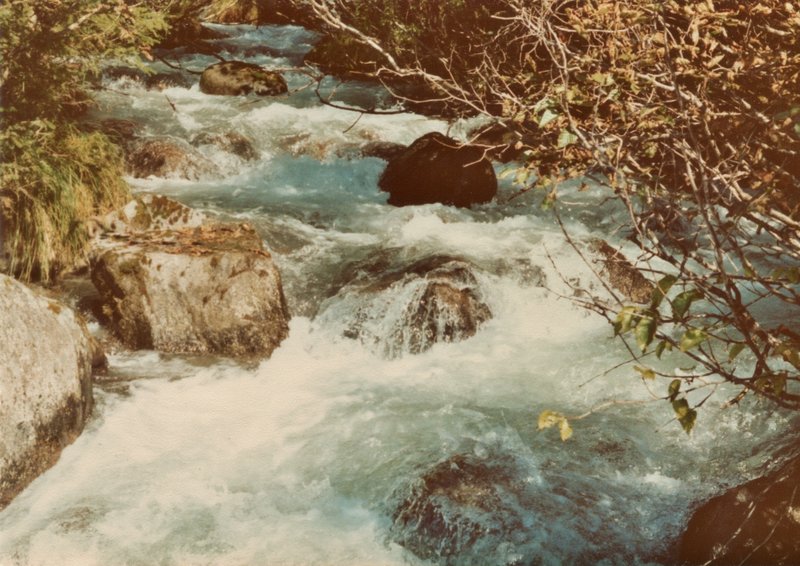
[304, 459]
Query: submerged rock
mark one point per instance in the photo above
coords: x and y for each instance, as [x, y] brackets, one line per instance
[437, 169]
[167, 157]
[462, 507]
[235, 78]
[231, 142]
[210, 289]
[408, 310]
[755, 523]
[45, 383]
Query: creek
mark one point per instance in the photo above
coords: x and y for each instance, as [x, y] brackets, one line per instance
[303, 458]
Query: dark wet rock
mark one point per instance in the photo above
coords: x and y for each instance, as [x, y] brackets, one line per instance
[121, 131]
[210, 289]
[117, 72]
[757, 523]
[231, 142]
[382, 150]
[235, 78]
[45, 383]
[463, 507]
[167, 157]
[155, 81]
[621, 274]
[408, 310]
[160, 81]
[436, 169]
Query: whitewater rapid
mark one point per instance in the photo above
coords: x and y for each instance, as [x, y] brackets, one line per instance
[303, 458]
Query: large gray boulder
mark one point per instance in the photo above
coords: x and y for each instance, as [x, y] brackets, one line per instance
[45, 383]
[438, 169]
[235, 78]
[209, 289]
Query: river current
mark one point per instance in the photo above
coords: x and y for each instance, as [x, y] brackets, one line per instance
[303, 458]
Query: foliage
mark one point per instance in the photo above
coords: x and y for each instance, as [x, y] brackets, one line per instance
[50, 48]
[54, 177]
[689, 110]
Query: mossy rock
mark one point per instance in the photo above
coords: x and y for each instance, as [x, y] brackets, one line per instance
[236, 78]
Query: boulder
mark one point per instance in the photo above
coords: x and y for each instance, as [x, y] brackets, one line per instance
[755, 523]
[122, 132]
[210, 289]
[145, 213]
[382, 150]
[160, 81]
[167, 157]
[230, 142]
[236, 78]
[621, 274]
[408, 310]
[461, 508]
[45, 383]
[436, 168]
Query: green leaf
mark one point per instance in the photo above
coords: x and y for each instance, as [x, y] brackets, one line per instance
[681, 304]
[645, 331]
[626, 319]
[663, 345]
[646, 373]
[688, 420]
[662, 288]
[692, 338]
[734, 351]
[566, 138]
[673, 389]
[681, 407]
[547, 117]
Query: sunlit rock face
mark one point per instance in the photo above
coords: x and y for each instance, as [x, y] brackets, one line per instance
[755, 523]
[211, 289]
[45, 383]
[436, 168]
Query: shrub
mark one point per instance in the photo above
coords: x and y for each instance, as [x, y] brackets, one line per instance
[54, 176]
[689, 110]
[56, 180]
